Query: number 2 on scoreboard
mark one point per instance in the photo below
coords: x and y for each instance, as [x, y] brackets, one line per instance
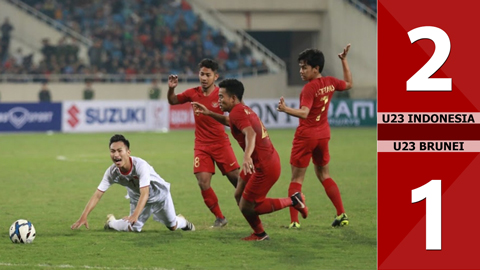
[432, 191]
[421, 80]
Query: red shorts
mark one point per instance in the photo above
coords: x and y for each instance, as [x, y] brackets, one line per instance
[206, 155]
[304, 150]
[260, 182]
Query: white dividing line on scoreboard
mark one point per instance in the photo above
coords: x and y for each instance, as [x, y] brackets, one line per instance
[428, 146]
[428, 118]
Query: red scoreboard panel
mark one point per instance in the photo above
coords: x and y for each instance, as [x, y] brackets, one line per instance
[428, 134]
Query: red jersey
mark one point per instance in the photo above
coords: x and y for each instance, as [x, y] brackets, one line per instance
[241, 116]
[207, 129]
[316, 95]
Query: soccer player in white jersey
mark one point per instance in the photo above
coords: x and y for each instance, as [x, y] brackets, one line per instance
[149, 193]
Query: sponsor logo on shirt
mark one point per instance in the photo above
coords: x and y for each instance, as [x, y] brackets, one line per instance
[215, 104]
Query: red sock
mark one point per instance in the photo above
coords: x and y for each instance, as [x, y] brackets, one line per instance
[255, 223]
[292, 189]
[333, 193]
[211, 200]
[271, 205]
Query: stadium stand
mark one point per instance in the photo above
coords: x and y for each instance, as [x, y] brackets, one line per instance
[129, 38]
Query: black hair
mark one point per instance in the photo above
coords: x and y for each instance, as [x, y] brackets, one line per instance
[208, 63]
[233, 87]
[312, 57]
[119, 138]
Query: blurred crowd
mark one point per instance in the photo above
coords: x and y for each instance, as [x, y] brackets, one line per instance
[130, 37]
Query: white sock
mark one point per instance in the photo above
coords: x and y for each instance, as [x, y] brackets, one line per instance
[120, 225]
[181, 222]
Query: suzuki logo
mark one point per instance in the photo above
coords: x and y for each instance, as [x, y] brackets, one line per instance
[73, 112]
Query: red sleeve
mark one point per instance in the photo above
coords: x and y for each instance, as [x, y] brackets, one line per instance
[239, 119]
[186, 96]
[340, 85]
[307, 96]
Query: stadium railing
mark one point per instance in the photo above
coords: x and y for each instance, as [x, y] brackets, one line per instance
[362, 7]
[120, 78]
[242, 34]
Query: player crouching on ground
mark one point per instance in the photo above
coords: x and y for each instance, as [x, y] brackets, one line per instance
[149, 193]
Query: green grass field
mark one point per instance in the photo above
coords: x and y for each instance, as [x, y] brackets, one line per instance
[51, 192]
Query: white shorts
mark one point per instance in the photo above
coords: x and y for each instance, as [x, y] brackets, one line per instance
[163, 212]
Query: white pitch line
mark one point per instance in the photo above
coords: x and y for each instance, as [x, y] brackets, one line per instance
[67, 266]
[91, 160]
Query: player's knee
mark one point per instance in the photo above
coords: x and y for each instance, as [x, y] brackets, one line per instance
[238, 196]
[203, 184]
[247, 209]
[233, 180]
[322, 172]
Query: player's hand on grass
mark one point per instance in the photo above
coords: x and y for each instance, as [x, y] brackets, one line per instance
[172, 81]
[200, 108]
[248, 166]
[343, 55]
[79, 223]
[281, 105]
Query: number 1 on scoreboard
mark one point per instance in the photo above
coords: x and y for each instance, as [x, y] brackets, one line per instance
[432, 191]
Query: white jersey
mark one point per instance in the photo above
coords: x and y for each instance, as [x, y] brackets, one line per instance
[140, 175]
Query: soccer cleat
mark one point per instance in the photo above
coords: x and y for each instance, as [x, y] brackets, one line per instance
[189, 227]
[219, 222]
[294, 225]
[340, 220]
[254, 237]
[110, 217]
[298, 200]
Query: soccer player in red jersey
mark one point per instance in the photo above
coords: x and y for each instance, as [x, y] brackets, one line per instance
[261, 163]
[211, 142]
[313, 132]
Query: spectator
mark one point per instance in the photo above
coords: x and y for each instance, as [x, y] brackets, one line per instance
[95, 54]
[44, 94]
[18, 56]
[155, 91]
[262, 68]
[6, 28]
[88, 92]
[48, 50]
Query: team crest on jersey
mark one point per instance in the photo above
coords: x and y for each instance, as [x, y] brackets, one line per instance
[215, 104]
[135, 177]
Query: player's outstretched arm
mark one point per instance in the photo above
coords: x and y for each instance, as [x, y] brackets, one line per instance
[300, 113]
[200, 108]
[88, 208]
[347, 75]
[172, 83]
